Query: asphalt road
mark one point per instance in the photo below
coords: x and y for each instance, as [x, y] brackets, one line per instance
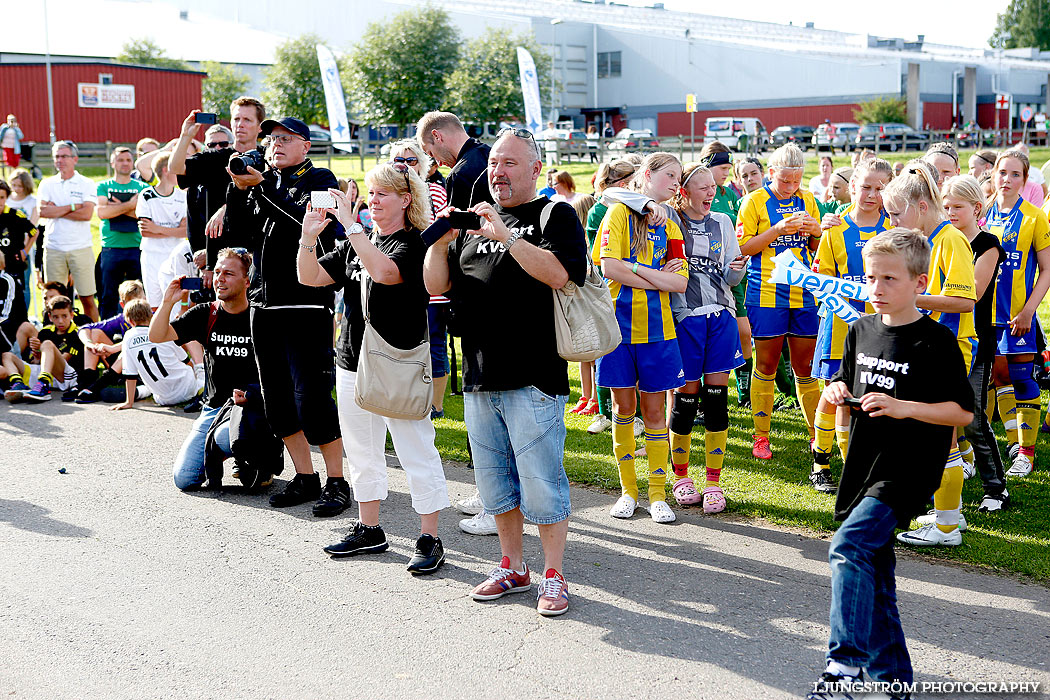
[115, 585]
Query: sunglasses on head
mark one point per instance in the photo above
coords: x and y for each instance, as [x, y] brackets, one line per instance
[520, 133]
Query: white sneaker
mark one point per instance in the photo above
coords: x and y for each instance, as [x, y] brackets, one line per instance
[472, 505]
[990, 504]
[931, 536]
[599, 425]
[624, 507]
[639, 426]
[1022, 466]
[969, 470]
[660, 512]
[931, 519]
[480, 524]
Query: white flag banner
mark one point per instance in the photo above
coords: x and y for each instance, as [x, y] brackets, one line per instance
[338, 124]
[832, 292]
[530, 90]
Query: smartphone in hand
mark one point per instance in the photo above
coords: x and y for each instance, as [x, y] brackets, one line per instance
[206, 118]
[191, 283]
[464, 220]
[322, 199]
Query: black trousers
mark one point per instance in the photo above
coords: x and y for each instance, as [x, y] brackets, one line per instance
[293, 350]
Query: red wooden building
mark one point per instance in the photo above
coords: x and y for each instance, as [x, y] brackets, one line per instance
[93, 102]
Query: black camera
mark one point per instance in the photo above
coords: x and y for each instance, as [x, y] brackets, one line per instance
[240, 163]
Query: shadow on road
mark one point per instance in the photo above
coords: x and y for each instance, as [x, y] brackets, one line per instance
[29, 516]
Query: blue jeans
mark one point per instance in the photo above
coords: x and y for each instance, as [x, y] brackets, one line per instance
[865, 625]
[517, 439]
[189, 465]
[117, 265]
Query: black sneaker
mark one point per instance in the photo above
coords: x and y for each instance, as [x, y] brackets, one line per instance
[303, 488]
[87, 396]
[823, 481]
[335, 498]
[429, 555]
[194, 405]
[70, 395]
[834, 687]
[360, 540]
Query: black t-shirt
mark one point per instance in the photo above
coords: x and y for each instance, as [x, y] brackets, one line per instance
[14, 227]
[466, 183]
[398, 312]
[205, 182]
[506, 316]
[982, 311]
[899, 461]
[229, 357]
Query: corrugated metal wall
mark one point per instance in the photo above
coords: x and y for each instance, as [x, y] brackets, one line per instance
[163, 98]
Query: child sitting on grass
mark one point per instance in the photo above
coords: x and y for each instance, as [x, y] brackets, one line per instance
[56, 357]
[908, 373]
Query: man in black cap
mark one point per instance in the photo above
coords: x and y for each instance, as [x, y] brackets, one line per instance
[291, 324]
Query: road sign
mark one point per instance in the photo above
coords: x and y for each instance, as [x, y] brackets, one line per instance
[1026, 114]
[1002, 102]
[690, 102]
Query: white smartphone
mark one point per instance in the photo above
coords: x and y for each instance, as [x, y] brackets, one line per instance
[322, 199]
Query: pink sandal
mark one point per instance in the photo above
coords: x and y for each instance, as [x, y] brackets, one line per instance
[714, 500]
[685, 492]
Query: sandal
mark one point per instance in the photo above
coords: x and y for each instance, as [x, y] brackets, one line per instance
[714, 500]
[660, 512]
[685, 492]
[624, 507]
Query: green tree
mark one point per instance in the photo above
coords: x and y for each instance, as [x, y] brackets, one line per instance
[1025, 23]
[223, 85]
[882, 109]
[146, 52]
[293, 82]
[485, 86]
[398, 69]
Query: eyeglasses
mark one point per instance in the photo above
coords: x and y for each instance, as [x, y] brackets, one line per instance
[283, 139]
[218, 144]
[411, 160]
[240, 251]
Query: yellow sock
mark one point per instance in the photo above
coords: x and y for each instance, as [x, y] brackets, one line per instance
[762, 395]
[656, 448]
[1004, 396]
[680, 446]
[623, 450]
[949, 496]
[842, 438]
[808, 392]
[966, 450]
[1028, 422]
[715, 446]
[824, 426]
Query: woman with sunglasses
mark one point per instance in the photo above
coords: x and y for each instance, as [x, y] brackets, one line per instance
[407, 153]
[391, 267]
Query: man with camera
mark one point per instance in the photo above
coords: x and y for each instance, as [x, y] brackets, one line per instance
[515, 384]
[291, 323]
[204, 176]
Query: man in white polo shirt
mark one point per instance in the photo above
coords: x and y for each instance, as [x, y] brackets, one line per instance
[68, 201]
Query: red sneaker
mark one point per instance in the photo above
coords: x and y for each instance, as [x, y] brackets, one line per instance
[590, 409]
[580, 405]
[501, 581]
[553, 595]
[761, 449]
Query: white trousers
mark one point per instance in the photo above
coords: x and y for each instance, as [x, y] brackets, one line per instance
[364, 442]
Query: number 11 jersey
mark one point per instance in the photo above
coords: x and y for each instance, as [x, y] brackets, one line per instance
[160, 366]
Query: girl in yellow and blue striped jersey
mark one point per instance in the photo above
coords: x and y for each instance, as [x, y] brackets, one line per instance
[1025, 236]
[780, 217]
[839, 255]
[644, 264]
[912, 200]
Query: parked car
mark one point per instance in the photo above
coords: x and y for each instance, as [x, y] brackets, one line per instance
[890, 137]
[799, 134]
[844, 138]
[728, 130]
[634, 140]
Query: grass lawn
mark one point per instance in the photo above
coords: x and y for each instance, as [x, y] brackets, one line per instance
[1016, 540]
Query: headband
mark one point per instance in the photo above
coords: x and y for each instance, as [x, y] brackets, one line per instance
[844, 178]
[989, 162]
[716, 159]
[691, 173]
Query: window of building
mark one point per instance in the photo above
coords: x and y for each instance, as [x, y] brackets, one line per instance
[609, 64]
[105, 78]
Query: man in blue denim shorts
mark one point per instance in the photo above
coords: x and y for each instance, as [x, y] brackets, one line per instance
[499, 279]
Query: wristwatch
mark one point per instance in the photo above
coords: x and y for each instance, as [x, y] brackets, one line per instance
[355, 229]
[512, 239]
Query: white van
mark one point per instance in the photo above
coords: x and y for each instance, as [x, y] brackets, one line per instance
[728, 130]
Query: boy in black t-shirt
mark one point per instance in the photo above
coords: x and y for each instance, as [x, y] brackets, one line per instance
[57, 356]
[908, 372]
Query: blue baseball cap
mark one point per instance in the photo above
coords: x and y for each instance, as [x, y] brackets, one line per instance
[291, 123]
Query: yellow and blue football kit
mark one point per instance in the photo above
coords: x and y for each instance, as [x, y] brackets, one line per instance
[951, 274]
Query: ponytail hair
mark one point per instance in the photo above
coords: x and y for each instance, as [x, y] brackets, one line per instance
[916, 183]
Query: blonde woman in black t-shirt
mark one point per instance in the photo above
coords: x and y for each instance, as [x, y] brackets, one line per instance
[397, 306]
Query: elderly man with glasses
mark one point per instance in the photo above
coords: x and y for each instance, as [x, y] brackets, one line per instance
[291, 323]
